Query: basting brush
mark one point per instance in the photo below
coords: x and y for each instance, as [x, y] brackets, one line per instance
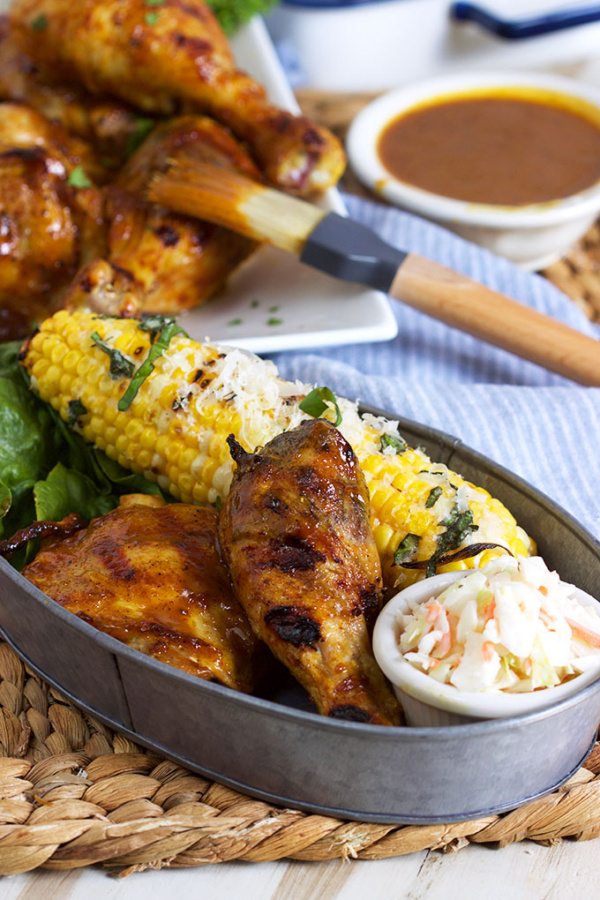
[350, 251]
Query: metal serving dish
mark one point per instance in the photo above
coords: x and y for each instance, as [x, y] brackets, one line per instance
[277, 750]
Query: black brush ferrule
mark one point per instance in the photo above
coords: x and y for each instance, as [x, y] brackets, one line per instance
[352, 252]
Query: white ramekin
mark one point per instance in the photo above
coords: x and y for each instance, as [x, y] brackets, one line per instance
[425, 701]
[532, 235]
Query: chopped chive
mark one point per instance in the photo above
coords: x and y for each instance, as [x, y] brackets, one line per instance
[151, 18]
[394, 441]
[78, 178]
[233, 322]
[160, 345]
[434, 495]
[406, 548]
[272, 321]
[318, 401]
[40, 23]
[120, 366]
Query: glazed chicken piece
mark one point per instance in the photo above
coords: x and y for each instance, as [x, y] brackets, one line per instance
[150, 576]
[113, 128]
[295, 533]
[168, 57]
[158, 261]
[44, 221]
[174, 262]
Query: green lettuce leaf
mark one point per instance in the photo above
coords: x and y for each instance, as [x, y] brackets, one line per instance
[67, 491]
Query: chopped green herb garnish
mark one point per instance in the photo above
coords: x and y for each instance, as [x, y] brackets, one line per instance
[273, 309]
[434, 495]
[318, 401]
[155, 2]
[120, 366]
[154, 324]
[274, 321]
[78, 178]
[40, 23]
[392, 440]
[151, 18]
[459, 525]
[139, 132]
[218, 504]
[406, 548]
[233, 322]
[254, 304]
[167, 333]
[76, 410]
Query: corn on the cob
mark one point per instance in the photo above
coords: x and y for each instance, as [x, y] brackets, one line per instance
[175, 428]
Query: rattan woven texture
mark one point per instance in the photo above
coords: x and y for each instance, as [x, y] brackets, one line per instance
[74, 794]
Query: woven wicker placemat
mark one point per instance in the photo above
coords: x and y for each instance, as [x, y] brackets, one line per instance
[74, 794]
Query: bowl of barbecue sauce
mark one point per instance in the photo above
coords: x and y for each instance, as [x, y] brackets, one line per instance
[510, 161]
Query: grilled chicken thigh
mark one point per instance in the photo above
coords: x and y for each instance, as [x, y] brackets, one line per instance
[151, 577]
[295, 533]
[168, 57]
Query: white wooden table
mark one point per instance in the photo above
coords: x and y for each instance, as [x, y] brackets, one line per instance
[525, 871]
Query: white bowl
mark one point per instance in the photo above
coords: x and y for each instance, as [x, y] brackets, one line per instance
[425, 701]
[531, 235]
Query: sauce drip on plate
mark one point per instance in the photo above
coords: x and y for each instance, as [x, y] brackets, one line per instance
[496, 149]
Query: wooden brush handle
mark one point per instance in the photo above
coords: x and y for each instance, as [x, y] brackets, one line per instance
[456, 300]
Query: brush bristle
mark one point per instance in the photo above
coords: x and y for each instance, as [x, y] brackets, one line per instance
[221, 196]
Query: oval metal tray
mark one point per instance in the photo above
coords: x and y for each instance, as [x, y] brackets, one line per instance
[278, 750]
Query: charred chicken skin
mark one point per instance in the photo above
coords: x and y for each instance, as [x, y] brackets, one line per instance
[295, 533]
[173, 57]
[151, 577]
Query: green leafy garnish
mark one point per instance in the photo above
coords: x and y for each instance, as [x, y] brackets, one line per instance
[151, 18]
[154, 324]
[232, 14]
[169, 330]
[273, 309]
[218, 504]
[434, 495]
[459, 525]
[155, 2]
[139, 132]
[273, 320]
[254, 304]
[233, 322]
[65, 491]
[406, 548]
[120, 366]
[394, 441]
[40, 23]
[76, 410]
[318, 401]
[78, 178]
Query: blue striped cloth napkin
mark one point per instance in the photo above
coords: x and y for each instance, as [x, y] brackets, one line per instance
[537, 424]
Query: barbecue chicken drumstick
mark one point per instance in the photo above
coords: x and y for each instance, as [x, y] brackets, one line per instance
[113, 128]
[173, 56]
[295, 533]
[44, 221]
[174, 262]
[150, 576]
